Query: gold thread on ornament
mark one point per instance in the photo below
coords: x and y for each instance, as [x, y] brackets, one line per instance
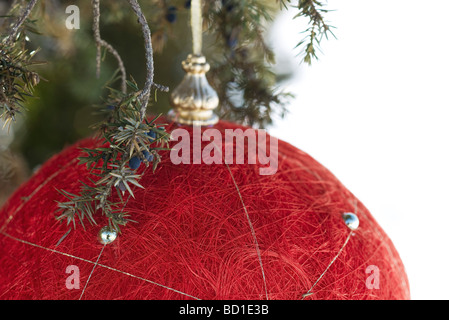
[99, 264]
[352, 222]
[253, 232]
[194, 100]
[31, 195]
[90, 275]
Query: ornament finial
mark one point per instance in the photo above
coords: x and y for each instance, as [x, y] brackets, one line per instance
[194, 100]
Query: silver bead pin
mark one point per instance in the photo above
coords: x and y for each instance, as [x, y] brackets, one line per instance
[107, 235]
[351, 220]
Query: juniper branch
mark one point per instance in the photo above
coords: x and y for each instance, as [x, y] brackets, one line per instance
[16, 27]
[16, 80]
[131, 138]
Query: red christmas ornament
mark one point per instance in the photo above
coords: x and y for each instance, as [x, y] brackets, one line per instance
[205, 231]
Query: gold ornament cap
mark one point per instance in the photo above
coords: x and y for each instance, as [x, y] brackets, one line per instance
[194, 100]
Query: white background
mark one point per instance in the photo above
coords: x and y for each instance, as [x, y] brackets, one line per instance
[374, 110]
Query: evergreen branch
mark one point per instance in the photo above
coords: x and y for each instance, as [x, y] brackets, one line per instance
[128, 141]
[244, 69]
[17, 26]
[319, 28]
[16, 80]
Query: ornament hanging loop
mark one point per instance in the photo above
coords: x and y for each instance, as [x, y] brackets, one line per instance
[194, 100]
[196, 21]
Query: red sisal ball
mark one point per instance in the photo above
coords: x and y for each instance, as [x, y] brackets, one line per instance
[206, 231]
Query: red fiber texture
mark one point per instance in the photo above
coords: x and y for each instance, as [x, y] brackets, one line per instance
[193, 238]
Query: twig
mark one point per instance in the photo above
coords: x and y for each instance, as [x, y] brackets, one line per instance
[15, 28]
[144, 96]
[101, 43]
